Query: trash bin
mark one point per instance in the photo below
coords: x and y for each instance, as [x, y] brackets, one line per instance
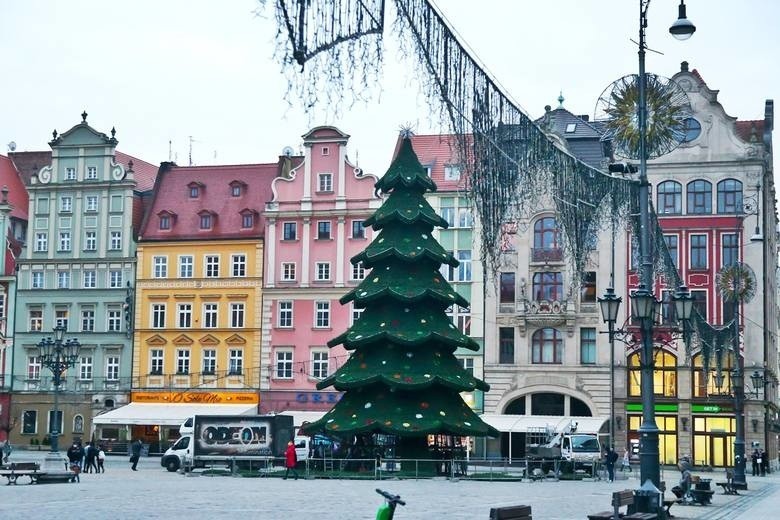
[647, 499]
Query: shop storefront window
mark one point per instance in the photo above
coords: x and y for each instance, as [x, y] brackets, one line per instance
[664, 375]
[713, 441]
[667, 437]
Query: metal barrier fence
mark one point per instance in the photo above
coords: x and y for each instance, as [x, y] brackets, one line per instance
[382, 468]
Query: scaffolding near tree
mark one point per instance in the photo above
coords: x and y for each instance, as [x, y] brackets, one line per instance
[403, 377]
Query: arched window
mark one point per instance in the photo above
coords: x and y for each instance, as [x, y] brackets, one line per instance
[664, 375]
[548, 286]
[709, 387]
[546, 233]
[547, 346]
[669, 198]
[78, 424]
[699, 197]
[730, 196]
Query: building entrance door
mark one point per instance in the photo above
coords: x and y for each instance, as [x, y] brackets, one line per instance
[719, 451]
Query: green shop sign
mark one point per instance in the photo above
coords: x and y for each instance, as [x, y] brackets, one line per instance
[710, 408]
[637, 407]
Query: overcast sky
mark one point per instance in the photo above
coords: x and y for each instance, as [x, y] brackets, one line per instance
[162, 71]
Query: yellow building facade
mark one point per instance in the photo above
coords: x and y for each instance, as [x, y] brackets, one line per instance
[197, 323]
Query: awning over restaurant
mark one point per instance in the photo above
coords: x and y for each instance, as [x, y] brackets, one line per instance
[169, 414]
[554, 423]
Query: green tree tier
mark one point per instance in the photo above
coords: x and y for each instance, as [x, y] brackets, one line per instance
[402, 377]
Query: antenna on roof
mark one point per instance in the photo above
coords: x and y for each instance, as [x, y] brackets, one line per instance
[170, 150]
[190, 156]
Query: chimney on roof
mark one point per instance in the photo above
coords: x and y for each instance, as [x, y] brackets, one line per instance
[684, 66]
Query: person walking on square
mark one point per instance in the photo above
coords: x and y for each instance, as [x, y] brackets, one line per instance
[290, 460]
[763, 465]
[136, 454]
[626, 461]
[101, 459]
[754, 460]
[90, 454]
[610, 458]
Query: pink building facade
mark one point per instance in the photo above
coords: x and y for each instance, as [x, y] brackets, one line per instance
[313, 227]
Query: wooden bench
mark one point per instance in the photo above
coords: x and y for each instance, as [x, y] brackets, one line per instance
[19, 469]
[621, 499]
[511, 513]
[32, 470]
[728, 486]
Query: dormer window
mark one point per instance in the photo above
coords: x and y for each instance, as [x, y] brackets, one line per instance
[248, 218]
[207, 219]
[194, 189]
[237, 188]
[166, 219]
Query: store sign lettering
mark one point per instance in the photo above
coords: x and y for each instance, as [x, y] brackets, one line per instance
[207, 398]
[317, 397]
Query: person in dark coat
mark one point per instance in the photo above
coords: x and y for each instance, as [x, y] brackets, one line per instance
[764, 464]
[290, 460]
[754, 460]
[90, 454]
[136, 454]
[610, 458]
[74, 460]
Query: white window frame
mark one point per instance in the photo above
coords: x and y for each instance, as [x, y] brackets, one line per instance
[285, 314]
[322, 271]
[354, 315]
[183, 315]
[183, 360]
[210, 315]
[186, 266]
[70, 174]
[235, 361]
[91, 204]
[89, 279]
[211, 266]
[451, 172]
[61, 316]
[320, 364]
[358, 271]
[116, 240]
[157, 315]
[325, 182]
[115, 279]
[91, 172]
[37, 280]
[238, 265]
[33, 368]
[90, 241]
[64, 241]
[209, 361]
[160, 266]
[156, 361]
[237, 315]
[35, 319]
[66, 204]
[86, 367]
[284, 360]
[63, 279]
[112, 367]
[322, 314]
[87, 319]
[113, 319]
[41, 242]
[288, 271]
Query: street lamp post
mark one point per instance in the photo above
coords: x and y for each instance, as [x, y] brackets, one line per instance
[643, 299]
[58, 356]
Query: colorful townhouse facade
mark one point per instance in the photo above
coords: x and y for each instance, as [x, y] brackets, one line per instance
[76, 271]
[437, 154]
[13, 224]
[198, 294]
[715, 199]
[313, 227]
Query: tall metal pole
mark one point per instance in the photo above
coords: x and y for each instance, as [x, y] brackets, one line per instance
[649, 468]
[739, 401]
[55, 432]
[611, 325]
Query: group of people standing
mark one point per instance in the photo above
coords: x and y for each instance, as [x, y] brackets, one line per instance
[760, 463]
[86, 459]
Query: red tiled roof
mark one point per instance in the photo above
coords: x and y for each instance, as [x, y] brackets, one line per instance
[435, 152]
[746, 129]
[695, 72]
[172, 195]
[17, 193]
[30, 163]
[144, 172]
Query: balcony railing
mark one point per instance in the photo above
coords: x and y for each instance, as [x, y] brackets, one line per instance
[547, 254]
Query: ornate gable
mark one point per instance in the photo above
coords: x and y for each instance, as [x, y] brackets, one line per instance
[235, 339]
[209, 340]
[182, 339]
[156, 340]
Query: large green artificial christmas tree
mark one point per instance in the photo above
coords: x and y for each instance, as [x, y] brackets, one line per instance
[402, 377]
